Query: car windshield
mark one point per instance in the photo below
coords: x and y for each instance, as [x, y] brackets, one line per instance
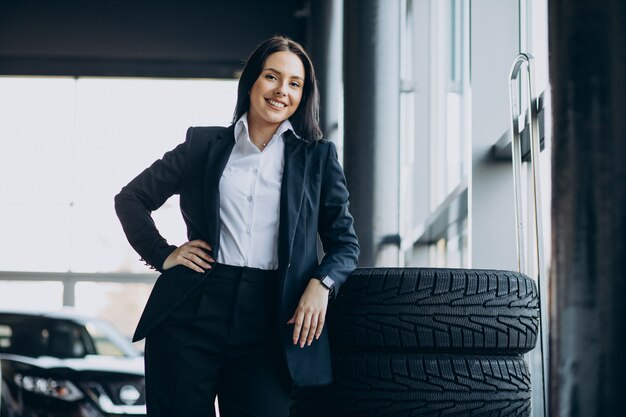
[36, 336]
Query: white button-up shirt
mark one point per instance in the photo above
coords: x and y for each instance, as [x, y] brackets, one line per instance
[250, 200]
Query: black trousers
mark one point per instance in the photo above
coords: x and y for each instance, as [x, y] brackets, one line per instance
[223, 339]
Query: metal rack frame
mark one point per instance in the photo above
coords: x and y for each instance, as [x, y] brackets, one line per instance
[524, 264]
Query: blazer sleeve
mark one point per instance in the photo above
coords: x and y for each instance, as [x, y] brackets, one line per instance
[335, 224]
[146, 193]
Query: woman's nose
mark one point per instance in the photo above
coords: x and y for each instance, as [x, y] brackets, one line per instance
[280, 90]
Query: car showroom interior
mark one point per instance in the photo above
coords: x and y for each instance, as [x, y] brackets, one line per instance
[453, 178]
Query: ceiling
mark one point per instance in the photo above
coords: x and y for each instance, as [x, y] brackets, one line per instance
[142, 38]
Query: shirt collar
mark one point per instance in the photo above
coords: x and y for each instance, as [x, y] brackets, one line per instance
[242, 127]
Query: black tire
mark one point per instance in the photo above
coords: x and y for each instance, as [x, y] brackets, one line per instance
[435, 310]
[388, 385]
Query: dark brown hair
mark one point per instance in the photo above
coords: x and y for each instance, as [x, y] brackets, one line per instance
[305, 120]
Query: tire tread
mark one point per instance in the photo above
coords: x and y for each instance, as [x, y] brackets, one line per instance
[397, 385]
[435, 310]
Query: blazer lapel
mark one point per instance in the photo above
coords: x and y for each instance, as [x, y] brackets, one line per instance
[291, 194]
[217, 156]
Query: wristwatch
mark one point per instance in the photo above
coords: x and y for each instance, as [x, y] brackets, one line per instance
[327, 282]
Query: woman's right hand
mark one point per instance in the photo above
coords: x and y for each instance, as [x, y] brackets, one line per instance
[191, 255]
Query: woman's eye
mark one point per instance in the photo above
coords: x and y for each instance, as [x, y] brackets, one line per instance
[295, 84]
[270, 77]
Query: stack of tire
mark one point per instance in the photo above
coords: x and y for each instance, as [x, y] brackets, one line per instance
[428, 342]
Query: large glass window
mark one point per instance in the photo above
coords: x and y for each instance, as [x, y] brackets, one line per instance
[69, 145]
[449, 82]
[435, 132]
[41, 295]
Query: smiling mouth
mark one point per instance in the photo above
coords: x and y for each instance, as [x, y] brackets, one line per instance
[276, 104]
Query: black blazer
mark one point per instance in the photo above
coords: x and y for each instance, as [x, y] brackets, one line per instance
[314, 199]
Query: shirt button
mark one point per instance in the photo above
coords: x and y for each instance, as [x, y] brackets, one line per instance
[247, 230]
[254, 170]
[249, 198]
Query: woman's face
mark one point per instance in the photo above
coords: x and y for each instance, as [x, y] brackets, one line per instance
[277, 92]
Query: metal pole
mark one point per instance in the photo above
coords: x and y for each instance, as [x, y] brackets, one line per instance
[325, 48]
[371, 125]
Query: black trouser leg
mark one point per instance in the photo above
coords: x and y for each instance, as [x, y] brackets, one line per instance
[254, 381]
[180, 381]
[253, 386]
[223, 339]
[182, 364]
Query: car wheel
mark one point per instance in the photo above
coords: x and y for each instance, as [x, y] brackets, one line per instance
[394, 385]
[435, 310]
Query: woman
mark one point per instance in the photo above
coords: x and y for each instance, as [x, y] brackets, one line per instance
[239, 309]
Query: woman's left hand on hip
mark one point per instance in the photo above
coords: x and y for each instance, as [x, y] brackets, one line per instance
[310, 314]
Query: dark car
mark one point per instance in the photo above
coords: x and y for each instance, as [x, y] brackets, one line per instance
[66, 365]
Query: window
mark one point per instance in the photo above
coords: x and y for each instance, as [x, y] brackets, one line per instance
[69, 145]
[435, 115]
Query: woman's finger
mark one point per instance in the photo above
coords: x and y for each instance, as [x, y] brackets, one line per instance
[320, 324]
[190, 254]
[199, 253]
[198, 261]
[191, 265]
[306, 326]
[189, 259]
[314, 328]
[298, 326]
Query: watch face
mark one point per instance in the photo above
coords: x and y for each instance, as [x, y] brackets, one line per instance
[328, 282]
